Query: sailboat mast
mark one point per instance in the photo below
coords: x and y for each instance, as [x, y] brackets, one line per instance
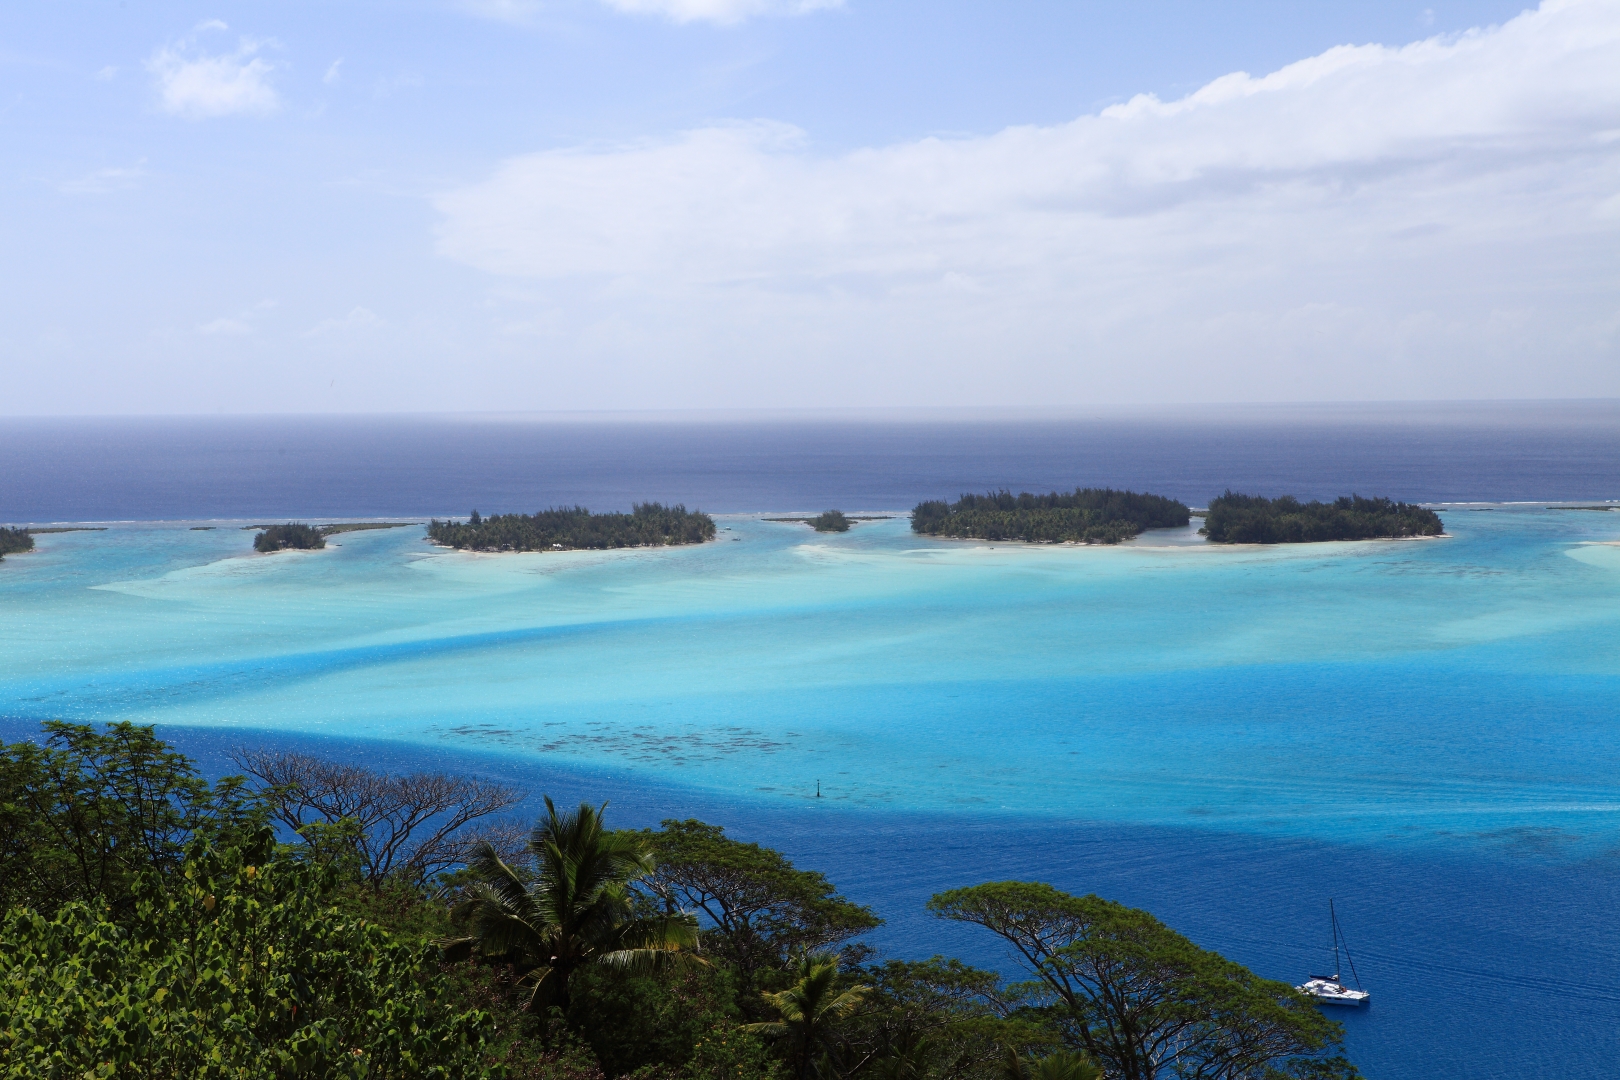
[1338, 936]
[1333, 917]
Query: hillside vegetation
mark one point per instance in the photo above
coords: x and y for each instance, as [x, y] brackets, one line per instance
[396, 927]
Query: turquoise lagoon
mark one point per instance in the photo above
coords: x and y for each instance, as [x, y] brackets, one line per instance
[1457, 690]
[1427, 730]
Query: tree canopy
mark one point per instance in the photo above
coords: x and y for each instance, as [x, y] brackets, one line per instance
[1085, 515]
[292, 536]
[830, 521]
[1254, 519]
[574, 909]
[154, 928]
[234, 968]
[647, 525]
[1141, 999]
[15, 540]
[761, 912]
[413, 826]
[87, 814]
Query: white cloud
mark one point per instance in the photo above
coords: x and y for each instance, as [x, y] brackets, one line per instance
[195, 84]
[358, 321]
[102, 181]
[225, 327]
[107, 74]
[724, 12]
[241, 324]
[333, 73]
[1372, 218]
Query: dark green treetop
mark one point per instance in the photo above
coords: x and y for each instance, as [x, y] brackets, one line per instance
[291, 536]
[647, 525]
[1085, 515]
[15, 540]
[572, 908]
[1253, 519]
[87, 814]
[830, 521]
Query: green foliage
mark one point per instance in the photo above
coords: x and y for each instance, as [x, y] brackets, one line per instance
[291, 536]
[810, 1013]
[577, 909]
[761, 913]
[1252, 519]
[156, 931]
[1086, 515]
[1058, 1065]
[647, 525]
[830, 521]
[729, 1051]
[235, 970]
[633, 1021]
[15, 540]
[88, 814]
[1141, 999]
[940, 1019]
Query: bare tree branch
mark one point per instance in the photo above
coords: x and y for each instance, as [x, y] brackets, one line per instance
[412, 826]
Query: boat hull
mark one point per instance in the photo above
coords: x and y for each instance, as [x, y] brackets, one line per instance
[1331, 993]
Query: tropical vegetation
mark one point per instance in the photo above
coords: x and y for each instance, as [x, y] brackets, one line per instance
[1254, 519]
[564, 528]
[15, 540]
[830, 521]
[318, 919]
[1084, 516]
[291, 536]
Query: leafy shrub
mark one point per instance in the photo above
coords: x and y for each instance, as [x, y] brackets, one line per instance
[632, 1021]
[237, 969]
[831, 521]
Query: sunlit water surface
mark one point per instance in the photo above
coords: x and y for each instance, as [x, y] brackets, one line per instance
[1425, 730]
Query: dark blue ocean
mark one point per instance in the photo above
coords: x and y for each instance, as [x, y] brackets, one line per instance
[143, 470]
[1425, 732]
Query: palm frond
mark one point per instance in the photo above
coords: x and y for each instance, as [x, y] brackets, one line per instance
[499, 881]
[647, 961]
[500, 932]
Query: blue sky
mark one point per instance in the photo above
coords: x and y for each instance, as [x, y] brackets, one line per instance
[504, 205]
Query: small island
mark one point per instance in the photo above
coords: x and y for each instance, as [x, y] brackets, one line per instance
[564, 528]
[289, 537]
[831, 520]
[297, 537]
[13, 541]
[1083, 516]
[1254, 519]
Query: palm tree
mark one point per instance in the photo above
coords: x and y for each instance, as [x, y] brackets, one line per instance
[811, 1009]
[1058, 1065]
[579, 911]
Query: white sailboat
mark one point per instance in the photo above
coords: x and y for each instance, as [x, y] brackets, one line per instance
[1328, 989]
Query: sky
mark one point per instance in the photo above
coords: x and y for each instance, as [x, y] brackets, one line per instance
[576, 205]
